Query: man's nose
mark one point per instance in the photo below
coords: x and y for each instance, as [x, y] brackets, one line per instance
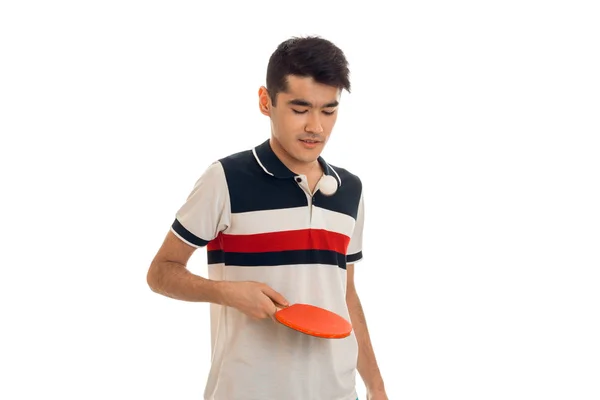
[314, 124]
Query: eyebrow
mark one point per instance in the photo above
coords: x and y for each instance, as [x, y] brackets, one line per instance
[304, 103]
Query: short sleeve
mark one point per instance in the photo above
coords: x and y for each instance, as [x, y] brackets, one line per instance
[207, 209]
[355, 247]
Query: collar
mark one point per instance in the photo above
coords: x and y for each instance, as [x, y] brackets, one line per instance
[272, 165]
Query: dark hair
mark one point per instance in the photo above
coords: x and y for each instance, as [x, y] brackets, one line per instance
[309, 56]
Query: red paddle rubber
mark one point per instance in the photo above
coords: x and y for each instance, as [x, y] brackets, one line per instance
[314, 321]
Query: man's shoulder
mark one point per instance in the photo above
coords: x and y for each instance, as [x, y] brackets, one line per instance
[236, 155]
[239, 166]
[237, 158]
[221, 166]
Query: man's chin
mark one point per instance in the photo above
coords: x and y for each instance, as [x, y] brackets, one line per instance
[307, 156]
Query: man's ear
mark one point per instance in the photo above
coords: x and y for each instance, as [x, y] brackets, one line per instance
[264, 101]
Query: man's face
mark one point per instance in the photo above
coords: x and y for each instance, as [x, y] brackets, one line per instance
[303, 118]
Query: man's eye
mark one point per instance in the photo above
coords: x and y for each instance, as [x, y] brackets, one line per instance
[329, 112]
[299, 112]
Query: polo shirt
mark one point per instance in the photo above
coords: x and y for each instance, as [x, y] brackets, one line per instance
[259, 222]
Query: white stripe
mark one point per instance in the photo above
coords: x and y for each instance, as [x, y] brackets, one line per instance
[322, 285]
[336, 174]
[259, 163]
[183, 240]
[266, 221]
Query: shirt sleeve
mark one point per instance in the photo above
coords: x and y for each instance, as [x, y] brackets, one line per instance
[355, 248]
[206, 211]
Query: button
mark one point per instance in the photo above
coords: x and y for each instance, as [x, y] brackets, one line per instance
[298, 179]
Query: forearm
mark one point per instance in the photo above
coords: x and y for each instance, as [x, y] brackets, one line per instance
[367, 364]
[176, 281]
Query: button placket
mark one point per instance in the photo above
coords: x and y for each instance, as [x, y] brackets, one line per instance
[302, 182]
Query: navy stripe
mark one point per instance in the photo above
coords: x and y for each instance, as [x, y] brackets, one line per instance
[252, 189]
[345, 200]
[354, 257]
[187, 235]
[276, 258]
[215, 257]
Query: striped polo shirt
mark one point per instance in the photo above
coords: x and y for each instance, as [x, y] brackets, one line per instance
[259, 222]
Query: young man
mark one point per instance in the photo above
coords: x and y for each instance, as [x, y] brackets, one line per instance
[280, 226]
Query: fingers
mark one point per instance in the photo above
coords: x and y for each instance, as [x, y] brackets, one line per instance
[272, 314]
[277, 300]
[275, 296]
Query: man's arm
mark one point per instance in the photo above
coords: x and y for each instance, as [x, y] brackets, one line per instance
[168, 274]
[367, 363]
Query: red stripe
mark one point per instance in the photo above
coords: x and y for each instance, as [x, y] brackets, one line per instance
[215, 244]
[305, 239]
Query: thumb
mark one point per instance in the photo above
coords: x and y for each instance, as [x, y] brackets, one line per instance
[275, 296]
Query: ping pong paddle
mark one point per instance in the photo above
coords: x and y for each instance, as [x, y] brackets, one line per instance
[314, 321]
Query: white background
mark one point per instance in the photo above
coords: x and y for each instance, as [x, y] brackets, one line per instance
[473, 125]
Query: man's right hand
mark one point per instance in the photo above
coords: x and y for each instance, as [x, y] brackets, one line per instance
[255, 299]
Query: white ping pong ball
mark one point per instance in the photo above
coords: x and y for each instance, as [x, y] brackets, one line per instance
[328, 185]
